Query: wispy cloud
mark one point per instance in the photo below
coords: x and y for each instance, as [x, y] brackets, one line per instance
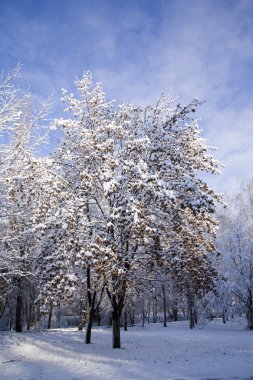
[138, 48]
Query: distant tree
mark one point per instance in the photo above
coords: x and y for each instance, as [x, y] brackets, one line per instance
[235, 243]
[21, 132]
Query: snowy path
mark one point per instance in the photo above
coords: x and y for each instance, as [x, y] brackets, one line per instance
[213, 352]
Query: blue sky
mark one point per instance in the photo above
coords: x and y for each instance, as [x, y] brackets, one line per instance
[137, 48]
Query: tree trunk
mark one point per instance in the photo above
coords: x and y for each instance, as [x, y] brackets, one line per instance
[50, 314]
[2, 297]
[116, 314]
[174, 314]
[117, 302]
[250, 311]
[3, 309]
[131, 317]
[195, 316]
[164, 307]
[148, 316]
[89, 326]
[29, 307]
[10, 314]
[18, 324]
[28, 315]
[90, 306]
[154, 310]
[98, 316]
[224, 315]
[81, 320]
[125, 320]
[19, 304]
[250, 320]
[59, 315]
[191, 313]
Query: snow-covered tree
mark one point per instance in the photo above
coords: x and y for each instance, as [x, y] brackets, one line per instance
[235, 242]
[134, 172]
[21, 132]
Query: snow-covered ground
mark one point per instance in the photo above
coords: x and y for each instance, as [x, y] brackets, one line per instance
[213, 351]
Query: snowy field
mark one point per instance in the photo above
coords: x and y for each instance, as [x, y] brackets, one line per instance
[211, 351]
